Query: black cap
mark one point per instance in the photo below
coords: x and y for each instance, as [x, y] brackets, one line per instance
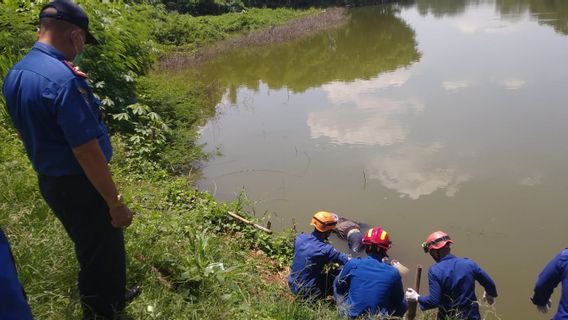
[70, 12]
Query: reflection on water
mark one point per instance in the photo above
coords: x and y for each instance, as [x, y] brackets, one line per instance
[447, 114]
[415, 171]
[345, 54]
[548, 12]
[360, 115]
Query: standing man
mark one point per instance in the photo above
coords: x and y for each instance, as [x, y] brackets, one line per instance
[369, 286]
[58, 119]
[312, 253]
[556, 271]
[452, 282]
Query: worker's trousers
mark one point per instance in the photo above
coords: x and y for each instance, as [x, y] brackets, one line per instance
[99, 246]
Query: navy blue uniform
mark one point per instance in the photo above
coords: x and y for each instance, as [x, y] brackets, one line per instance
[54, 109]
[452, 288]
[556, 271]
[369, 286]
[13, 303]
[311, 254]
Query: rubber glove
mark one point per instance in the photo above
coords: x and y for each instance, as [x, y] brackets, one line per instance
[545, 308]
[411, 295]
[487, 298]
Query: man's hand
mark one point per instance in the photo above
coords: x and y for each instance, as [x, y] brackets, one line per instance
[545, 308]
[411, 295]
[487, 298]
[121, 216]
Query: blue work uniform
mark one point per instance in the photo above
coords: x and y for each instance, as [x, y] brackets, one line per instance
[369, 286]
[54, 110]
[13, 302]
[452, 288]
[556, 271]
[311, 254]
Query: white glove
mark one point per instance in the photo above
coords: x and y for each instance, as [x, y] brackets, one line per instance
[487, 298]
[411, 295]
[545, 308]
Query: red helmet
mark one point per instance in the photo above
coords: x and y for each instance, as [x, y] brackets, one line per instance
[377, 237]
[436, 240]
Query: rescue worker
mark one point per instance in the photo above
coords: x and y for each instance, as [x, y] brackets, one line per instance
[13, 302]
[312, 253]
[370, 286]
[351, 231]
[451, 282]
[58, 119]
[554, 272]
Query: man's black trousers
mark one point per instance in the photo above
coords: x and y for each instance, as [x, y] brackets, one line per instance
[98, 245]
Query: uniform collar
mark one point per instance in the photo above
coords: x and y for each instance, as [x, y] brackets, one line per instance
[375, 258]
[46, 48]
[448, 257]
[318, 235]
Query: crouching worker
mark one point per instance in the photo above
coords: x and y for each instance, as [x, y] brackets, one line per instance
[555, 272]
[452, 282]
[312, 253]
[369, 286]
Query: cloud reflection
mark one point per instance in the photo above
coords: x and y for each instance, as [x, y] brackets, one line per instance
[513, 83]
[486, 21]
[415, 171]
[360, 116]
[456, 85]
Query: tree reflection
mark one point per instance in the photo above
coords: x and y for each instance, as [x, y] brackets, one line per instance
[551, 12]
[373, 41]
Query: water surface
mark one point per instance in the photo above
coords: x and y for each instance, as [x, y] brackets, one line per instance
[421, 116]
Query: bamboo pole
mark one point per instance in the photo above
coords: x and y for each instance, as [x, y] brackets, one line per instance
[241, 219]
[413, 304]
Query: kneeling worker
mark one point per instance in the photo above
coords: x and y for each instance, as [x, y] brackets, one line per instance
[369, 286]
[311, 253]
[452, 282]
[555, 272]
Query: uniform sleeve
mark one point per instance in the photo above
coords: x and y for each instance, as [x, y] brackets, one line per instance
[336, 256]
[77, 119]
[547, 281]
[397, 296]
[343, 280]
[434, 298]
[485, 280]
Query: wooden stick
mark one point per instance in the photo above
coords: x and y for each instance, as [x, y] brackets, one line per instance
[236, 216]
[413, 304]
[418, 276]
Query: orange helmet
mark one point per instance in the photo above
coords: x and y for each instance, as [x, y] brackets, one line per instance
[324, 221]
[436, 240]
[377, 237]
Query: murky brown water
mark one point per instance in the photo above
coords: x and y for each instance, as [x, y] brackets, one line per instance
[430, 115]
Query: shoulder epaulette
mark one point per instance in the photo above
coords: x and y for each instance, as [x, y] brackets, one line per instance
[75, 70]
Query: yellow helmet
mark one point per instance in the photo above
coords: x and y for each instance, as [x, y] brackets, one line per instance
[324, 221]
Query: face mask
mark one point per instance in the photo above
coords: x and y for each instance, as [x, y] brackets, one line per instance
[78, 46]
[77, 59]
